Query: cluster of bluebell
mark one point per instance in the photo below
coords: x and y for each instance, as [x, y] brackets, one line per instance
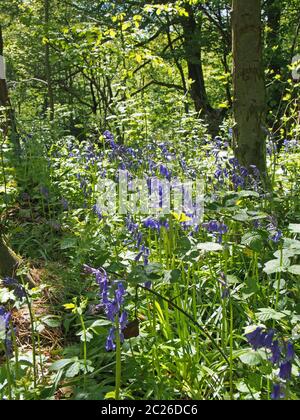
[137, 236]
[5, 330]
[281, 354]
[231, 170]
[154, 224]
[111, 299]
[97, 211]
[291, 145]
[217, 228]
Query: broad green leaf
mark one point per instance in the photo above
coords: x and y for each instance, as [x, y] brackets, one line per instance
[209, 246]
[73, 370]
[294, 227]
[277, 266]
[253, 240]
[294, 269]
[265, 314]
[251, 358]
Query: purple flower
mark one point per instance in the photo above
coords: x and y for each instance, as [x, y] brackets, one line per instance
[165, 172]
[290, 352]
[277, 392]
[277, 236]
[123, 320]
[110, 345]
[285, 370]
[5, 330]
[276, 353]
[256, 338]
[97, 211]
[268, 339]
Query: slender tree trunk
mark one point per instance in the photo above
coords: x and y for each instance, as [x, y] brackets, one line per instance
[275, 62]
[48, 61]
[193, 54]
[248, 85]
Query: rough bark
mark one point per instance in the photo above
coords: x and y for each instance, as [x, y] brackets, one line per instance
[193, 54]
[248, 85]
[9, 261]
[48, 70]
[275, 61]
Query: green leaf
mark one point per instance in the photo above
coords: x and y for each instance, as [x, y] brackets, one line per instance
[60, 364]
[68, 242]
[277, 266]
[137, 275]
[100, 323]
[172, 276]
[251, 358]
[153, 270]
[209, 246]
[253, 240]
[294, 227]
[294, 269]
[73, 370]
[51, 321]
[265, 314]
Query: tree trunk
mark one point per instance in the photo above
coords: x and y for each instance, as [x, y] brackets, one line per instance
[10, 119]
[249, 98]
[9, 261]
[48, 71]
[275, 62]
[193, 54]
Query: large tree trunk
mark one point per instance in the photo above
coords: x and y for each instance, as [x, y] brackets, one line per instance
[248, 84]
[8, 260]
[10, 119]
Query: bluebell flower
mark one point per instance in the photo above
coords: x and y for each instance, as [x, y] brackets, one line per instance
[5, 331]
[276, 353]
[277, 392]
[268, 339]
[285, 370]
[256, 338]
[110, 344]
[165, 172]
[290, 352]
[97, 211]
[276, 236]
